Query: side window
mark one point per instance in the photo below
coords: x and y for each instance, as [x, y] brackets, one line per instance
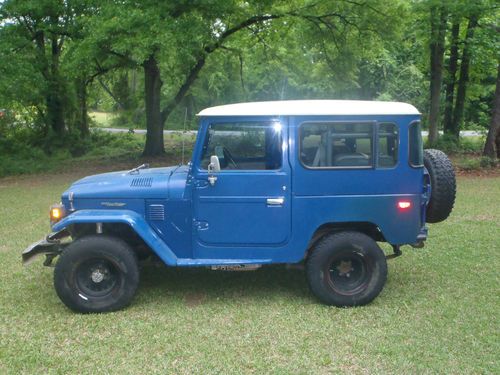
[336, 145]
[416, 149]
[244, 145]
[387, 145]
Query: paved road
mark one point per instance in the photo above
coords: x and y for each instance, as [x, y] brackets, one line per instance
[464, 133]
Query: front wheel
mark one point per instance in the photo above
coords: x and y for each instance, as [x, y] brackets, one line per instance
[346, 269]
[96, 273]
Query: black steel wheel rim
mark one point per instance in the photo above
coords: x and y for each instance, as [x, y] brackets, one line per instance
[97, 277]
[349, 273]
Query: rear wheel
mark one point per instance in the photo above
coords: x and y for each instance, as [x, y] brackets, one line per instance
[346, 269]
[96, 273]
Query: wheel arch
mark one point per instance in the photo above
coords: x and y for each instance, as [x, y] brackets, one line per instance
[372, 230]
[125, 218]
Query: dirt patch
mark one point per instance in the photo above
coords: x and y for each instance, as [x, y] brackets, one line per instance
[194, 299]
[484, 218]
[479, 173]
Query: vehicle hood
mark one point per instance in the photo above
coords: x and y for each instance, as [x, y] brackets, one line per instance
[151, 183]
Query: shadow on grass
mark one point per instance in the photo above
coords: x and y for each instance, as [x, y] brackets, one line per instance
[196, 286]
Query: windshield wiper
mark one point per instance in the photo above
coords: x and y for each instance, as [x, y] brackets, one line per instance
[137, 169]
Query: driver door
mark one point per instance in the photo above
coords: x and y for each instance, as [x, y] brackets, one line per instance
[248, 204]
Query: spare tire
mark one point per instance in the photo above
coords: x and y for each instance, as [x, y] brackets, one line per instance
[443, 185]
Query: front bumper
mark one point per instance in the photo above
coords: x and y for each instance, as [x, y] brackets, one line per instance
[50, 246]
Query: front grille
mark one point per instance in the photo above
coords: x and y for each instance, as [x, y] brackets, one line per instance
[142, 182]
[156, 212]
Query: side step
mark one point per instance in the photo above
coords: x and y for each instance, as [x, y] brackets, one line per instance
[239, 267]
[189, 262]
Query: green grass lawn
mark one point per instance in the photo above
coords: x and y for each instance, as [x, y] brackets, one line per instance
[439, 311]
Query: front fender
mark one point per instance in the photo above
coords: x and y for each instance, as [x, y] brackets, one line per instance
[136, 221]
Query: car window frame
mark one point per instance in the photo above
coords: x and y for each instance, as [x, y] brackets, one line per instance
[398, 142]
[373, 123]
[413, 123]
[271, 121]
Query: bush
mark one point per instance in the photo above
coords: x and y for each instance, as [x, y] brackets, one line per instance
[132, 119]
[27, 151]
[465, 145]
[486, 162]
[477, 163]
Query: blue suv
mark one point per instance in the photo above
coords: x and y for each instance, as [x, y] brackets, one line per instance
[318, 182]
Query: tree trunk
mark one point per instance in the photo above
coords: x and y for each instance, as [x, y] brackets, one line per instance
[55, 102]
[452, 73]
[497, 142]
[493, 138]
[55, 111]
[458, 113]
[152, 85]
[82, 121]
[438, 30]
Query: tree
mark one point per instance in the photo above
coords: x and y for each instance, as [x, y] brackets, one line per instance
[458, 112]
[438, 30]
[492, 145]
[39, 32]
[175, 43]
[451, 78]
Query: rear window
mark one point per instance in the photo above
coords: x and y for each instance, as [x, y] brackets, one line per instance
[416, 149]
[388, 143]
[336, 145]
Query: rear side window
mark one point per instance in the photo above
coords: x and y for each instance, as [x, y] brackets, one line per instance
[388, 143]
[244, 145]
[336, 145]
[416, 149]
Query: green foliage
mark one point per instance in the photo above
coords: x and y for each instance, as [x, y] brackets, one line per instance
[466, 145]
[131, 119]
[375, 50]
[477, 163]
[20, 153]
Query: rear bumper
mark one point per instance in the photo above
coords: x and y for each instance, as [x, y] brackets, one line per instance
[50, 245]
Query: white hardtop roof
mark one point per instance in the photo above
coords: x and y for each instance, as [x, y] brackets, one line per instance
[311, 108]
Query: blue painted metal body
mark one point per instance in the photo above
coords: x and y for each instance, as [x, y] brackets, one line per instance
[188, 222]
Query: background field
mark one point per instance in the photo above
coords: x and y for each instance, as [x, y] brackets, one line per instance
[438, 312]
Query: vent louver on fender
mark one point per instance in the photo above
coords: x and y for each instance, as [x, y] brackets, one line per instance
[142, 182]
[156, 212]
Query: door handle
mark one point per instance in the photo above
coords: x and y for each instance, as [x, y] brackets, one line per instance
[275, 201]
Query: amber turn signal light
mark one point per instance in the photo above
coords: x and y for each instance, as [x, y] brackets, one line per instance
[56, 213]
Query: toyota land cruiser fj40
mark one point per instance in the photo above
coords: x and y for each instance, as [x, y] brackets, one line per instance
[318, 182]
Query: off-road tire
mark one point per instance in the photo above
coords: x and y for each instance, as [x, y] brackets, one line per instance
[324, 275]
[77, 283]
[443, 185]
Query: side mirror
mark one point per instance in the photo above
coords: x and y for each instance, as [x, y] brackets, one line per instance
[213, 167]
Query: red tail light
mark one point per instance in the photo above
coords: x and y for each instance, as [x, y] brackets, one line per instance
[404, 205]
